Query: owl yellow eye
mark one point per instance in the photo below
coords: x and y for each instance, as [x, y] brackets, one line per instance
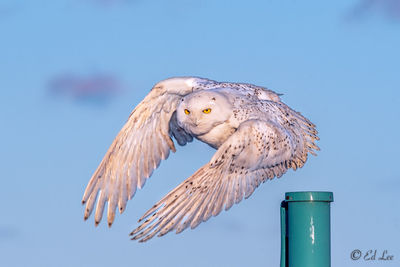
[207, 110]
[187, 112]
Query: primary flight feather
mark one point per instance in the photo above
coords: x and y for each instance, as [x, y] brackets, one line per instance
[257, 137]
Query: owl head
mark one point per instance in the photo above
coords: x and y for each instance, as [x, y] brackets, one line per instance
[201, 111]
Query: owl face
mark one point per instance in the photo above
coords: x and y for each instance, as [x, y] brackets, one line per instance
[200, 112]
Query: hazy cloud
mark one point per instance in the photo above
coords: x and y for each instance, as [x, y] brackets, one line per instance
[97, 88]
[388, 8]
[8, 232]
[8, 11]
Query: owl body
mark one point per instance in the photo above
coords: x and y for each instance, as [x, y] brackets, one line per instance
[256, 135]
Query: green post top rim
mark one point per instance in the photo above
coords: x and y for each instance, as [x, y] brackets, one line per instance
[311, 196]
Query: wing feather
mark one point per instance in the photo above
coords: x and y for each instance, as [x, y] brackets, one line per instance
[230, 176]
[138, 149]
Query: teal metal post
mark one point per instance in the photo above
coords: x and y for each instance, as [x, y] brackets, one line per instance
[306, 229]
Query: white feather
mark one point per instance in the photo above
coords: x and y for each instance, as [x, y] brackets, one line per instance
[257, 138]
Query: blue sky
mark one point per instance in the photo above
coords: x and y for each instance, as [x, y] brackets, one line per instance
[335, 62]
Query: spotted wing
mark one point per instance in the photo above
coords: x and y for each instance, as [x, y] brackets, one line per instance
[257, 151]
[137, 150]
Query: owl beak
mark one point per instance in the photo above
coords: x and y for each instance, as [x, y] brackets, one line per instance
[195, 123]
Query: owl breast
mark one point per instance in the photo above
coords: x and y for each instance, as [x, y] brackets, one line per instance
[218, 135]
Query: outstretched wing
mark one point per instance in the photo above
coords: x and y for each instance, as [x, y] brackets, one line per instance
[257, 151]
[138, 148]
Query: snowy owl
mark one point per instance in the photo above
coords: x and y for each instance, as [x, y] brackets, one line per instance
[257, 137]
